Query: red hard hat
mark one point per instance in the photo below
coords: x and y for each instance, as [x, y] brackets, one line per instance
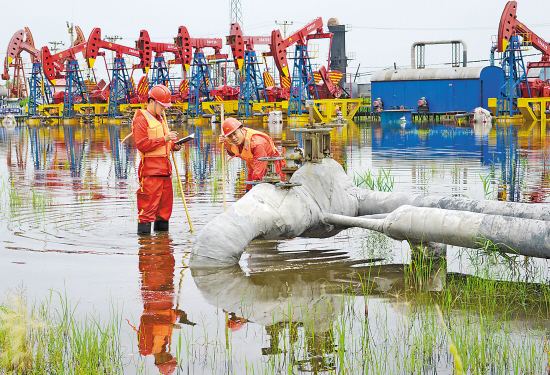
[230, 125]
[161, 94]
[235, 325]
[167, 368]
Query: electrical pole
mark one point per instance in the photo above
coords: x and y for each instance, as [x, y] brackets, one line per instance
[235, 16]
[236, 12]
[284, 24]
[70, 29]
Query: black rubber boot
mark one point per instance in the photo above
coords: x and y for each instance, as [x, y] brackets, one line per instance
[161, 226]
[144, 228]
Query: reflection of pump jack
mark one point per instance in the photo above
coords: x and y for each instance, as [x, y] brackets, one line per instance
[274, 330]
[320, 352]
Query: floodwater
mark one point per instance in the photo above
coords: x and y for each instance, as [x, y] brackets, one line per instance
[68, 223]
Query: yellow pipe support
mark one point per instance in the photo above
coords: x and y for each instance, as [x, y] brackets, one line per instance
[492, 105]
[324, 110]
[266, 107]
[211, 107]
[533, 110]
[526, 110]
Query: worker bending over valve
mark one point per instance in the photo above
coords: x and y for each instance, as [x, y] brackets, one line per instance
[154, 142]
[250, 145]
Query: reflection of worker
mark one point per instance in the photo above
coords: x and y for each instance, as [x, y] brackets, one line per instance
[249, 145]
[156, 266]
[235, 322]
[155, 142]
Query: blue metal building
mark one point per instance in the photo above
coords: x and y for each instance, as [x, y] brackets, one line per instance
[446, 90]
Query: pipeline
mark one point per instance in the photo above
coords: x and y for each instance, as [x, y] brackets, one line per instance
[268, 212]
[271, 213]
[437, 42]
[376, 202]
[457, 228]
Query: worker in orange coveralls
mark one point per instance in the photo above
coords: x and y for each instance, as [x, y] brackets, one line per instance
[159, 317]
[249, 145]
[154, 142]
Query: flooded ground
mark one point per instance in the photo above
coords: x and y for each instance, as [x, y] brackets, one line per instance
[347, 304]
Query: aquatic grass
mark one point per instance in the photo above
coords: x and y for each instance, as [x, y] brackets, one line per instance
[44, 340]
[40, 201]
[335, 332]
[15, 198]
[383, 181]
[488, 187]
[15, 353]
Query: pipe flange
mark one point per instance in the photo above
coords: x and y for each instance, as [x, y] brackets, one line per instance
[287, 185]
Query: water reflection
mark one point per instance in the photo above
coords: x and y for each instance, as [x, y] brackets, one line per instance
[482, 129]
[303, 309]
[503, 150]
[202, 156]
[122, 153]
[72, 191]
[159, 317]
[76, 150]
[42, 148]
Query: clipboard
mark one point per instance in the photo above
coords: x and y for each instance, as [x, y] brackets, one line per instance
[185, 139]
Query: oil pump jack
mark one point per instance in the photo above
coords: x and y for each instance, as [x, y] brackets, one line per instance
[514, 35]
[302, 83]
[192, 57]
[121, 88]
[160, 73]
[40, 91]
[75, 88]
[252, 85]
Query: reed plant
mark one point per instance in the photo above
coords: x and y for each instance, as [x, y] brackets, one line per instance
[382, 181]
[48, 340]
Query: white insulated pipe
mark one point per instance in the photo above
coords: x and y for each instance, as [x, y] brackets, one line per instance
[268, 212]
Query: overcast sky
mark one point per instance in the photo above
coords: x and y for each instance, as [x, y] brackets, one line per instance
[381, 32]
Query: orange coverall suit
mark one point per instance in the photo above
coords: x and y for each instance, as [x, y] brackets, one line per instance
[154, 196]
[256, 145]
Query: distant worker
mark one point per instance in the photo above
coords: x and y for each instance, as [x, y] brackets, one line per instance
[154, 142]
[423, 105]
[249, 145]
[378, 105]
[338, 111]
